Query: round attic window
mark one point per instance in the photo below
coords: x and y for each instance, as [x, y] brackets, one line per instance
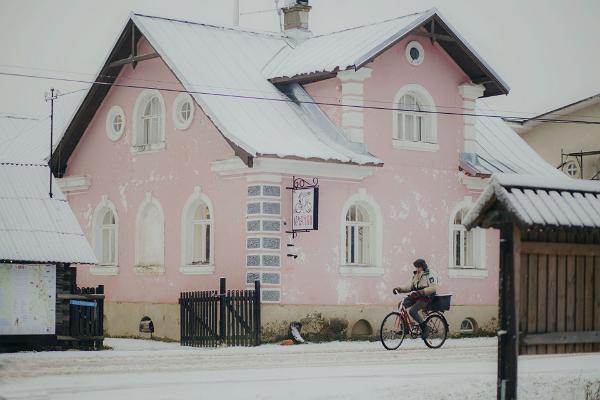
[115, 123]
[571, 168]
[415, 53]
[183, 111]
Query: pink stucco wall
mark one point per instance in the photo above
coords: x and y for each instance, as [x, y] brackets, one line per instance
[414, 190]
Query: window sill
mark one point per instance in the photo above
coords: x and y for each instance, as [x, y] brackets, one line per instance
[149, 269]
[104, 269]
[454, 272]
[197, 269]
[418, 146]
[360, 270]
[148, 148]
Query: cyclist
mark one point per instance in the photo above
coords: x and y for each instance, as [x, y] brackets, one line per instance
[422, 288]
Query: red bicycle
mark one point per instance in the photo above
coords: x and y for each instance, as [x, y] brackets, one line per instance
[397, 324]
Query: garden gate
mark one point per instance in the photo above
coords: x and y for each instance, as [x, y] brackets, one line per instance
[210, 318]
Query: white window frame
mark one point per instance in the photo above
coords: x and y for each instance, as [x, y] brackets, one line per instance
[140, 269]
[100, 211]
[178, 103]
[429, 120]
[187, 234]
[479, 267]
[138, 122]
[374, 267]
[112, 133]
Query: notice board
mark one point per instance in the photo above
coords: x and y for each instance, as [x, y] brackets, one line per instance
[27, 299]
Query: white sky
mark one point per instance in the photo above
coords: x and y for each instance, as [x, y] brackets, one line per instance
[546, 50]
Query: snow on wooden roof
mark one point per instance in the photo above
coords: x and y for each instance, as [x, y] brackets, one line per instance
[538, 201]
[354, 47]
[33, 226]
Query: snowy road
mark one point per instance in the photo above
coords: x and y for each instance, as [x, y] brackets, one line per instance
[135, 369]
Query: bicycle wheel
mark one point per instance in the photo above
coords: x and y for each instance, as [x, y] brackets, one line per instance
[437, 331]
[392, 331]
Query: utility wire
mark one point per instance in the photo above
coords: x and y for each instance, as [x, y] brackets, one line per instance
[287, 100]
[523, 114]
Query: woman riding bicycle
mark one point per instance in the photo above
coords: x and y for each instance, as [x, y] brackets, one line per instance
[422, 288]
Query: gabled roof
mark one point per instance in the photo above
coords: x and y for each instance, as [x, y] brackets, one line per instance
[537, 201]
[560, 112]
[224, 70]
[352, 48]
[221, 68]
[33, 226]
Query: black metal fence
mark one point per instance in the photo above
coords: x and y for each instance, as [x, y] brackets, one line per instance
[209, 318]
[86, 314]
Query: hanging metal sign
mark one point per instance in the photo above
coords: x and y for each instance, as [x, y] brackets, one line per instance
[305, 205]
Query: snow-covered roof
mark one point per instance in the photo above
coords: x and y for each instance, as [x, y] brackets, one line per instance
[500, 149]
[354, 47]
[534, 200]
[222, 66]
[24, 140]
[33, 226]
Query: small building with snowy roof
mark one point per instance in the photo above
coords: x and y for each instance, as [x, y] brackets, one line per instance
[187, 144]
[40, 242]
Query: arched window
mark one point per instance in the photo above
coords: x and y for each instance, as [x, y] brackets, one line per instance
[201, 240]
[105, 238]
[109, 245]
[361, 236]
[150, 234]
[149, 121]
[411, 122]
[415, 121]
[467, 247]
[462, 242]
[358, 239]
[197, 235]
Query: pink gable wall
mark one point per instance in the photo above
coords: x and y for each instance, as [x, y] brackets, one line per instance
[171, 176]
[415, 191]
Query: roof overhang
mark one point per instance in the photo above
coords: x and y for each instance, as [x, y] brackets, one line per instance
[433, 26]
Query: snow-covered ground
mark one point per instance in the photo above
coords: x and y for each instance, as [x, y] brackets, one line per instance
[139, 369]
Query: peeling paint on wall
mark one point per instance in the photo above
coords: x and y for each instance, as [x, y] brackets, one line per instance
[87, 216]
[401, 213]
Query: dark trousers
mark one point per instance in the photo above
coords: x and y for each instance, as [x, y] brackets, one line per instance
[414, 305]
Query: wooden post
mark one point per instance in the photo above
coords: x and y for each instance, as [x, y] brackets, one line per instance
[222, 310]
[257, 312]
[508, 345]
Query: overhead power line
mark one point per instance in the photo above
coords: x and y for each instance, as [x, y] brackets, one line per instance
[522, 114]
[287, 100]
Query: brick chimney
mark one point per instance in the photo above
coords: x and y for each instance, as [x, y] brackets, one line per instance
[295, 20]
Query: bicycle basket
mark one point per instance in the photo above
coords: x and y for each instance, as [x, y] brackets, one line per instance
[440, 302]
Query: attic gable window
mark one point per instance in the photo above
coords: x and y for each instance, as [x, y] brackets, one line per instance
[149, 122]
[415, 121]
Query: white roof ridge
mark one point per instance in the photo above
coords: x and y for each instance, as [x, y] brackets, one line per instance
[275, 35]
[431, 10]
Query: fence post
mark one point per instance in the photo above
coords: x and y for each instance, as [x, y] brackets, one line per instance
[100, 316]
[222, 310]
[257, 312]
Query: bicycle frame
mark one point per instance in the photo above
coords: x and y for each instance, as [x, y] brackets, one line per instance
[413, 329]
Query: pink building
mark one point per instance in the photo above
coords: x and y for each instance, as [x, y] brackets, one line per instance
[177, 166]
